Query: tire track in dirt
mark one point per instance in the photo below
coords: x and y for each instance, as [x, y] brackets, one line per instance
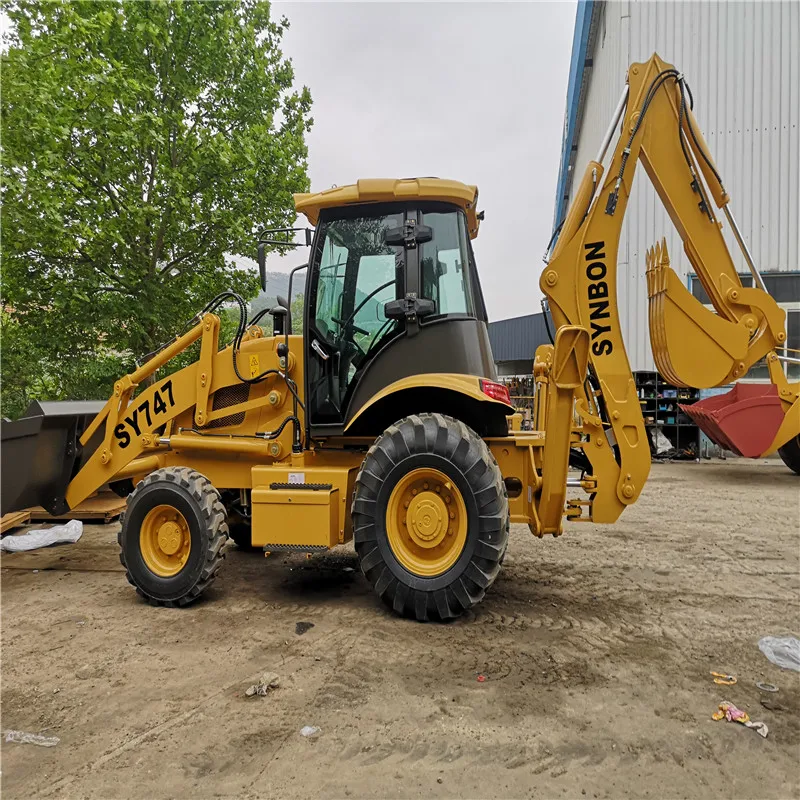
[59, 787]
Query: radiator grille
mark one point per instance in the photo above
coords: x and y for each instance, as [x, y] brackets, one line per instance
[229, 396]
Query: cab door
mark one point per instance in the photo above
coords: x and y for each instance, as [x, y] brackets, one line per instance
[357, 274]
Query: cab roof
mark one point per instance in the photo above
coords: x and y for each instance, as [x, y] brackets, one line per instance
[382, 190]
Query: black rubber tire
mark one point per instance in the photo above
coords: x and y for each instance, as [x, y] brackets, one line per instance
[790, 454]
[446, 444]
[199, 502]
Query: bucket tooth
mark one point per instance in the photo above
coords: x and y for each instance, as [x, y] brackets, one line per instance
[692, 345]
[657, 260]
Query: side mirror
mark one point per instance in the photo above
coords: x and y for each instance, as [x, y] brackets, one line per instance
[424, 307]
[279, 314]
[394, 309]
[409, 307]
[423, 233]
[262, 264]
[399, 235]
[282, 311]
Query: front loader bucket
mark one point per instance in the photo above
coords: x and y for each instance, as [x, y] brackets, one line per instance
[744, 420]
[41, 454]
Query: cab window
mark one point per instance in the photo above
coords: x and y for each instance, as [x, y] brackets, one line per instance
[444, 264]
[358, 274]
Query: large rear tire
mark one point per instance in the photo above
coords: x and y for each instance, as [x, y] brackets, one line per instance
[430, 517]
[790, 454]
[172, 536]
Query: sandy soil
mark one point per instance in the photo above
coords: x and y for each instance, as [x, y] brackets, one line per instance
[596, 649]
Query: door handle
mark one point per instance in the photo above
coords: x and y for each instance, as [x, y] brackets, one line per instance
[317, 348]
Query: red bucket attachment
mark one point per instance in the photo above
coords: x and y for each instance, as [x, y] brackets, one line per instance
[744, 420]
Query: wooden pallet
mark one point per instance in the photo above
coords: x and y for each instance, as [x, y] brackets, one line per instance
[103, 507]
[14, 519]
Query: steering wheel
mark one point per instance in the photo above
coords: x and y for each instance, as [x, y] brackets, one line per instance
[349, 324]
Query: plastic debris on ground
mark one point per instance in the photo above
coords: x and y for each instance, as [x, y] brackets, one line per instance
[723, 679]
[781, 650]
[310, 731]
[731, 713]
[481, 678]
[766, 687]
[43, 537]
[268, 682]
[31, 738]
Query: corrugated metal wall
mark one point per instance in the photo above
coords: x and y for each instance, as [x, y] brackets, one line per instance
[516, 339]
[742, 62]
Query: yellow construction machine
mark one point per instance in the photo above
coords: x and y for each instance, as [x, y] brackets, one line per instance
[384, 422]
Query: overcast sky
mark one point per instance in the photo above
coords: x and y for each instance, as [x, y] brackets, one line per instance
[470, 91]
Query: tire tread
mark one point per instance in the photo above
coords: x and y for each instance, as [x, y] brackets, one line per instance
[450, 438]
[201, 490]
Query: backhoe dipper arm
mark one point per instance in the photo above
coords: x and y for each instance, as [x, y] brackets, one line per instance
[692, 345]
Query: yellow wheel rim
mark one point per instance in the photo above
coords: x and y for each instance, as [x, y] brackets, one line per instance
[165, 541]
[426, 522]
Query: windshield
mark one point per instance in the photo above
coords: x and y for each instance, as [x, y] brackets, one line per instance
[358, 274]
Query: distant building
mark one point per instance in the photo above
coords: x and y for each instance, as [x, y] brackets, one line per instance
[742, 63]
[514, 342]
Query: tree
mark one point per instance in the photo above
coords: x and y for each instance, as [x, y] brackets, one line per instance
[296, 311]
[142, 143]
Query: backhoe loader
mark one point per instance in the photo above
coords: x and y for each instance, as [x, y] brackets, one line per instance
[384, 423]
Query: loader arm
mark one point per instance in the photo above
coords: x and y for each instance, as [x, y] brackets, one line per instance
[149, 423]
[692, 345]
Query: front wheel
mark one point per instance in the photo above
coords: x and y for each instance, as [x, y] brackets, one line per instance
[430, 517]
[790, 454]
[172, 536]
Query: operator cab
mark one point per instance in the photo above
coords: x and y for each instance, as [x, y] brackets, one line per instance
[392, 291]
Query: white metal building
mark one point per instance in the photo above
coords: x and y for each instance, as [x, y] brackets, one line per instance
[742, 62]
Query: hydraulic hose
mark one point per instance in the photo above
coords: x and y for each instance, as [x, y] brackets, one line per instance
[241, 328]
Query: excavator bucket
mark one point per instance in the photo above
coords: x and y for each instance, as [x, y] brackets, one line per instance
[692, 345]
[744, 420]
[41, 454]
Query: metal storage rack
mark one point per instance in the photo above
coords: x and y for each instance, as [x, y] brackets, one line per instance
[659, 400]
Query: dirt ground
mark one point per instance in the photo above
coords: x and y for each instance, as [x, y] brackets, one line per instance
[596, 648]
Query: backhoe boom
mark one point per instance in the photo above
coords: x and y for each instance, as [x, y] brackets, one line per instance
[692, 345]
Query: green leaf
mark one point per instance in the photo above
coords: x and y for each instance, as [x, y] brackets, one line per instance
[139, 148]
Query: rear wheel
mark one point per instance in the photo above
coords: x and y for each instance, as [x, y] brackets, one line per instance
[172, 536]
[790, 454]
[430, 517]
